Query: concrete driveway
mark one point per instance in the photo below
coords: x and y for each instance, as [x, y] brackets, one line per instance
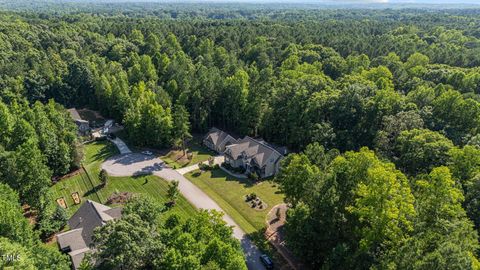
[217, 160]
[121, 145]
[136, 164]
[132, 164]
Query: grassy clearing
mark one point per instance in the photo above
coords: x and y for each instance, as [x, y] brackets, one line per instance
[174, 157]
[95, 154]
[91, 116]
[229, 193]
[195, 148]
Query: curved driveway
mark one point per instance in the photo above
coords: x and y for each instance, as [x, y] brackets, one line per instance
[137, 164]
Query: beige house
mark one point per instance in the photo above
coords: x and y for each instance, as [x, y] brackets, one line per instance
[217, 140]
[254, 156]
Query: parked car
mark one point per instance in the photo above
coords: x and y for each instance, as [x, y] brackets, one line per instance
[267, 262]
[148, 153]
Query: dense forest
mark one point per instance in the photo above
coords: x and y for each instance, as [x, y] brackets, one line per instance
[381, 109]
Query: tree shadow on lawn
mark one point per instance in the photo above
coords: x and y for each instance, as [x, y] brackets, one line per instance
[105, 152]
[218, 173]
[93, 190]
[197, 147]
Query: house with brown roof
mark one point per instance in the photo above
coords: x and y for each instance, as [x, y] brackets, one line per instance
[76, 242]
[83, 125]
[217, 140]
[254, 156]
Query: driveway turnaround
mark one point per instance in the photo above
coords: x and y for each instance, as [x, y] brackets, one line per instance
[132, 164]
[136, 164]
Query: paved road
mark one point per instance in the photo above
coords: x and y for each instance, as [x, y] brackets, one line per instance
[135, 164]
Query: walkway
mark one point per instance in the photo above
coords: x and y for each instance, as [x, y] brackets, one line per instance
[237, 175]
[135, 163]
[275, 234]
[122, 147]
[218, 160]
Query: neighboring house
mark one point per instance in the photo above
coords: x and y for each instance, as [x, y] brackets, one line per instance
[254, 156]
[76, 242]
[83, 125]
[108, 124]
[217, 140]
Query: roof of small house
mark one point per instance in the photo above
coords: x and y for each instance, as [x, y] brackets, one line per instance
[74, 114]
[72, 239]
[259, 151]
[88, 217]
[91, 215]
[217, 136]
[78, 255]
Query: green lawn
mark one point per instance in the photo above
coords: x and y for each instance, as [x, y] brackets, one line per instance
[95, 154]
[200, 154]
[174, 157]
[229, 193]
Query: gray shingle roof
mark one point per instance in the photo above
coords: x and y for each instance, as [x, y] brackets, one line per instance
[216, 136]
[77, 256]
[252, 149]
[219, 139]
[72, 239]
[88, 217]
[74, 114]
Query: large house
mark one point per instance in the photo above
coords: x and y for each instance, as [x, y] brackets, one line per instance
[250, 154]
[254, 156]
[76, 242]
[217, 140]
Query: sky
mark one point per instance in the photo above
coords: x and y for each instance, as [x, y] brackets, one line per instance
[300, 1]
[327, 1]
[384, 3]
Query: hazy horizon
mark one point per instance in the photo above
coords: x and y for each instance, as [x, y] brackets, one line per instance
[477, 2]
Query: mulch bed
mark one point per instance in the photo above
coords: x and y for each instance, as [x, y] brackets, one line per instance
[61, 201]
[119, 198]
[76, 198]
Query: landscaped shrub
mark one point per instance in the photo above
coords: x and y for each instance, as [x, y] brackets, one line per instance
[203, 167]
[238, 170]
[119, 198]
[227, 166]
[103, 176]
[253, 176]
[211, 161]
